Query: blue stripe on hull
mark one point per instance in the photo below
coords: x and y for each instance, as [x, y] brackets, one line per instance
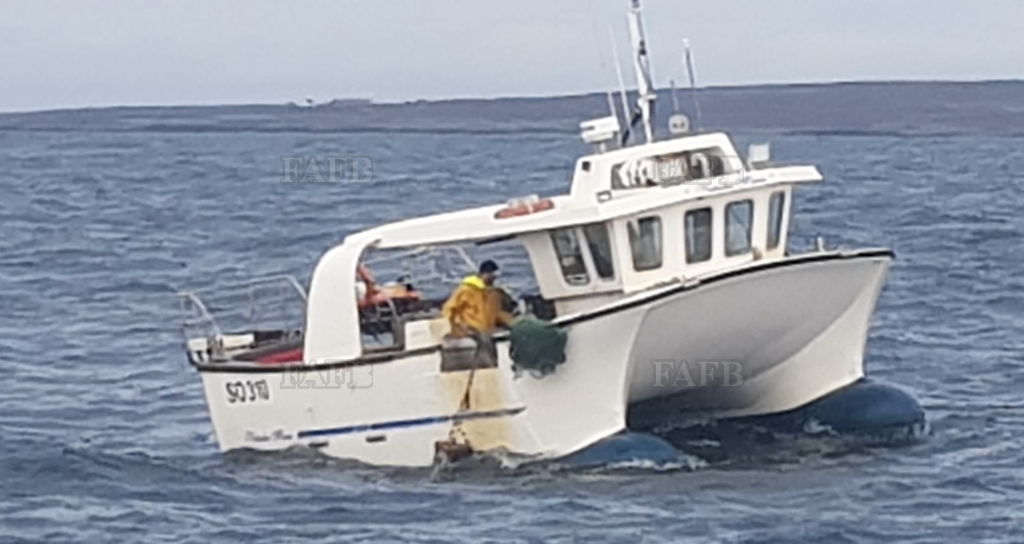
[405, 423]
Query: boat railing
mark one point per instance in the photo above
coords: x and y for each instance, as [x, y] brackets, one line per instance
[220, 320]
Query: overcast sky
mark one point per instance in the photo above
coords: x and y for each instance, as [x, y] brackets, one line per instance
[88, 52]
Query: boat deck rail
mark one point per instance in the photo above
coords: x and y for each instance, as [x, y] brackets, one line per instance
[218, 321]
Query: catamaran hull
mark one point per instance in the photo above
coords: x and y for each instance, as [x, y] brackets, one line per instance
[747, 345]
[765, 339]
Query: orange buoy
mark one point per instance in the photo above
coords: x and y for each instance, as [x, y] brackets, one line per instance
[520, 207]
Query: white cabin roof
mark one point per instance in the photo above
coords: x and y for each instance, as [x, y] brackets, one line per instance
[475, 224]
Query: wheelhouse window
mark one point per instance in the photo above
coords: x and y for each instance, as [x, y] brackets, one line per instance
[672, 168]
[600, 247]
[645, 243]
[705, 163]
[738, 219]
[570, 256]
[775, 205]
[697, 233]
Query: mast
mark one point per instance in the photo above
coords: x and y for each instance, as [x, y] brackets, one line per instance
[641, 63]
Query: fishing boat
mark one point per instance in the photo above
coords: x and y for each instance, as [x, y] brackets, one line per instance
[666, 265]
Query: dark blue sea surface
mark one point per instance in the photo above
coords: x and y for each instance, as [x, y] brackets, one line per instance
[105, 214]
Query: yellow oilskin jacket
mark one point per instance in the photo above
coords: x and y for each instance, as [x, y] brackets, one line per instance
[475, 305]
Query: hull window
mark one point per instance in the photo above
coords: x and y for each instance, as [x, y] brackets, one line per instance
[698, 235]
[775, 205]
[738, 218]
[645, 243]
[570, 256]
[600, 249]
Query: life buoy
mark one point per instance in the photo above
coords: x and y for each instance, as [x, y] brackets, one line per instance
[542, 205]
[512, 211]
[524, 207]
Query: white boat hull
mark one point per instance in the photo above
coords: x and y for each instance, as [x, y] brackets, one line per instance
[791, 336]
[792, 331]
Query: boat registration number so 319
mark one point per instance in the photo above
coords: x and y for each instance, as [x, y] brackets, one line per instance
[247, 391]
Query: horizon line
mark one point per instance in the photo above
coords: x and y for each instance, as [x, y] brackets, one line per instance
[538, 96]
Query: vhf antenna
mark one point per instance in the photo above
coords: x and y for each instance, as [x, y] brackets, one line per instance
[622, 88]
[688, 62]
[611, 100]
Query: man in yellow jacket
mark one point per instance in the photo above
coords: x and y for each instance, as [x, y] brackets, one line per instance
[474, 308]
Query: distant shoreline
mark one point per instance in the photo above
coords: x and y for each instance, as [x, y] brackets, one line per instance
[362, 101]
[854, 108]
